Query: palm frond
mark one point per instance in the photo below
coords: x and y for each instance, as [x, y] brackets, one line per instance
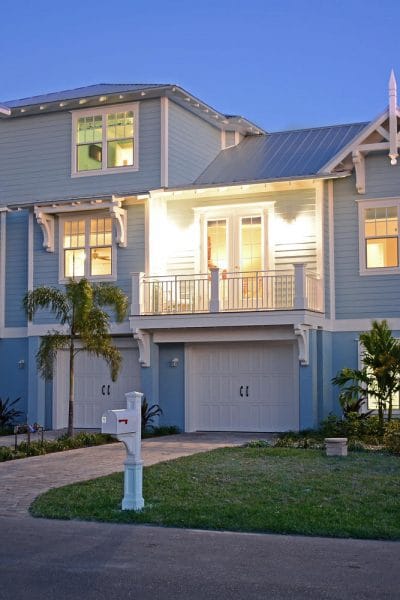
[106, 294]
[80, 296]
[46, 355]
[102, 347]
[47, 297]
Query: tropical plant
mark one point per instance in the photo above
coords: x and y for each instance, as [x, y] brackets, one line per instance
[379, 378]
[148, 413]
[8, 414]
[354, 394]
[381, 357]
[79, 310]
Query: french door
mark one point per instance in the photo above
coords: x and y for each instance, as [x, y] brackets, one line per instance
[236, 244]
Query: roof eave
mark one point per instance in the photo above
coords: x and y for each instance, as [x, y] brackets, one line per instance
[319, 176]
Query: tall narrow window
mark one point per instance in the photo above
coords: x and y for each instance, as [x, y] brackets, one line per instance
[89, 150]
[120, 139]
[217, 252]
[100, 246]
[74, 248]
[381, 237]
[251, 244]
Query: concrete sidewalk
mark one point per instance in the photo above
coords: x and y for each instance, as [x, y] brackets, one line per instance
[22, 480]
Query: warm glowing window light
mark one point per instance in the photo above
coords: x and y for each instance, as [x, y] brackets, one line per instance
[381, 237]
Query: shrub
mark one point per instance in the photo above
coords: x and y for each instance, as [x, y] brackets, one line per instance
[148, 414]
[391, 439]
[352, 427]
[164, 430]
[8, 414]
[258, 444]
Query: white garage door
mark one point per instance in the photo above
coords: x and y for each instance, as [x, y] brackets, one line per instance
[95, 392]
[242, 387]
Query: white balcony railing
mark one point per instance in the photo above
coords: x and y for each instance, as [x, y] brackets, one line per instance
[226, 292]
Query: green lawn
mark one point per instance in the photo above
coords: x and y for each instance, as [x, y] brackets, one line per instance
[277, 490]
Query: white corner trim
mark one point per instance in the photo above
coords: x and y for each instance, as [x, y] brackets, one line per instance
[46, 223]
[143, 340]
[301, 332]
[331, 230]
[3, 214]
[164, 142]
[30, 251]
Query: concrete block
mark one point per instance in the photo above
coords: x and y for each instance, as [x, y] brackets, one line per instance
[336, 446]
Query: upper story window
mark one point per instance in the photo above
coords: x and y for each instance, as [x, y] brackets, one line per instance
[105, 140]
[379, 237]
[87, 248]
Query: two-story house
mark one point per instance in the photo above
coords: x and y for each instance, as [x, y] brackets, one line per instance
[252, 260]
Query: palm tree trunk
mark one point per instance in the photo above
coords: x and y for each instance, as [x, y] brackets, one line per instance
[70, 432]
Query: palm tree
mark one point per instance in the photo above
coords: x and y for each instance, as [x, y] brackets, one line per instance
[381, 357]
[80, 310]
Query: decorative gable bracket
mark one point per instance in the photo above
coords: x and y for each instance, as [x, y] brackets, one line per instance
[45, 217]
[301, 332]
[46, 223]
[390, 138]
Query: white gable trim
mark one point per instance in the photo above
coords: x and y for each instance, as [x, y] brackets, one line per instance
[354, 144]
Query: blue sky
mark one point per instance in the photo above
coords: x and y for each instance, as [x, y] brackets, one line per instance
[281, 63]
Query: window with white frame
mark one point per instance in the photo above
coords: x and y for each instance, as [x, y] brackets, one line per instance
[87, 247]
[379, 237]
[105, 140]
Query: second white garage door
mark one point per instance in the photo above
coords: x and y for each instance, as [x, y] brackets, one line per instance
[250, 386]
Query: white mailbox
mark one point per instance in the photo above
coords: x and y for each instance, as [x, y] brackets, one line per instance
[117, 422]
[125, 424]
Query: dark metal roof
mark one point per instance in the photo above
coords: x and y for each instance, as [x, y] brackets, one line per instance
[284, 154]
[84, 92]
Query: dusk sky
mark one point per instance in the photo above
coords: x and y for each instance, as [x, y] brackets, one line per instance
[281, 63]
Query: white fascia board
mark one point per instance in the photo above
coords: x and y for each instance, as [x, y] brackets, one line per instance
[4, 110]
[355, 142]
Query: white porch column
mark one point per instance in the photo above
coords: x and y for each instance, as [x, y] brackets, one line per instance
[300, 300]
[137, 293]
[214, 295]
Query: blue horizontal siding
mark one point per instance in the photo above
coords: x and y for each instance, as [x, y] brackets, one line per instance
[16, 267]
[35, 159]
[192, 145]
[362, 296]
[14, 379]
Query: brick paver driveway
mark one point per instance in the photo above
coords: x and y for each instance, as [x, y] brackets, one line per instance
[23, 480]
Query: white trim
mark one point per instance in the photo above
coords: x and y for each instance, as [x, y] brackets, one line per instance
[320, 242]
[30, 251]
[354, 143]
[81, 216]
[378, 271]
[143, 341]
[302, 334]
[164, 142]
[223, 139]
[3, 216]
[37, 330]
[46, 223]
[248, 334]
[331, 250]
[14, 332]
[76, 114]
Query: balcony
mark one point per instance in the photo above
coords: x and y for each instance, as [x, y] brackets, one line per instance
[222, 292]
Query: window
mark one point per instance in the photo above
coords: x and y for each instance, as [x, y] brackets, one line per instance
[379, 237]
[87, 247]
[105, 140]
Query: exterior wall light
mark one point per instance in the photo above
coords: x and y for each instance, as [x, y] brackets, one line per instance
[174, 363]
[21, 364]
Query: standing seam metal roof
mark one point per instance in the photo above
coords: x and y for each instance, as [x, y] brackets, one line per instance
[297, 153]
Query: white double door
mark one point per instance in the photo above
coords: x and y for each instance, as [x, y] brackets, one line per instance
[235, 240]
[95, 392]
[249, 386]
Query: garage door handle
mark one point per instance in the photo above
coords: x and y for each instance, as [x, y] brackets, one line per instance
[103, 390]
[247, 391]
[108, 390]
[241, 391]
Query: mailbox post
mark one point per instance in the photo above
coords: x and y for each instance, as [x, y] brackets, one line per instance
[126, 425]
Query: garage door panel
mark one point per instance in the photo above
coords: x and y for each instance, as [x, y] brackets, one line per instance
[95, 392]
[217, 373]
